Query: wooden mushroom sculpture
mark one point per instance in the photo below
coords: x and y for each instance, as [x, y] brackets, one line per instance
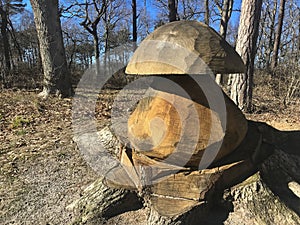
[163, 117]
[187, 138]
[178, 132]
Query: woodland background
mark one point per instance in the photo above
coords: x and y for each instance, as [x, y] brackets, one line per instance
[92, 28]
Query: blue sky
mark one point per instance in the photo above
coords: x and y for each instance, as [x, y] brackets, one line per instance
[28, 6]
[235, 15]
[152, 10]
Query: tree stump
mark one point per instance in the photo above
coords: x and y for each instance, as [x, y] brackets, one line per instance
[269, 196]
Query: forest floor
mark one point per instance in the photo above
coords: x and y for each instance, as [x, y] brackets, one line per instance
[41, 169]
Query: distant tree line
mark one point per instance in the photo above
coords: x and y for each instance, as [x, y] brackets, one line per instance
[91, 28]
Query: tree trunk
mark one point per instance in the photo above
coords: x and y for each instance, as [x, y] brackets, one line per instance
[106, 34]
[99, 202]
[134, 21]
[299, 33]
[242, 84]
[5, 40]
[91, 24]
[226, 14]
[56, 74]
[271, 35]
[219, 79]
[206, 19]
[172, 10]
[278, 35]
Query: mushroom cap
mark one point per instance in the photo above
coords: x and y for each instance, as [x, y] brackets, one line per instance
[184, 47]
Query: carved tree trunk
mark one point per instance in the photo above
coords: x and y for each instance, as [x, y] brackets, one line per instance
[269, 196]
[56, 74]
[241, 87]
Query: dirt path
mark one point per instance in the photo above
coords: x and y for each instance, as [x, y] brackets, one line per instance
[41, 169]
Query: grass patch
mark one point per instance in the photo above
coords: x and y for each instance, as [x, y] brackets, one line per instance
[20, 121]
[21, 132]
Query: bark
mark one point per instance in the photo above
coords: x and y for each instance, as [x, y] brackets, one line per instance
[56, 74]
[271, 35]
[278, 35]
[219, 79]
[5, 40]
[207, 12]
[96, 44]
[99, 202]
[270, 196]
[242, 84]
[204, 214]
[297, 56]
[172, 10]
[134, 21]
[107, 31]
[253, 201]
[226, 14]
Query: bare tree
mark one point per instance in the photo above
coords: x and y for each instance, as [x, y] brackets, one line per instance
[102, 19]
[56, 74]
[269, 47]
[187, 10]
[225, 11]
[8, 7]
[278, 35]
[115, 13]
[242, 84]
[26, 37]
[268, 31]
[78, 44]
[145, 21]
[194, 10]
[91, 22]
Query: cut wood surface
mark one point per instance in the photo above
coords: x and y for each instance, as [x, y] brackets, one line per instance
[168, 124]
[172, 190]
[196, 46]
